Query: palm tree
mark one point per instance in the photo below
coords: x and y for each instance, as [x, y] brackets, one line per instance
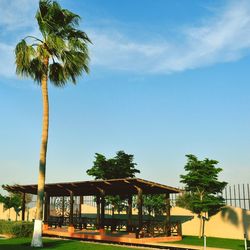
[61, 54]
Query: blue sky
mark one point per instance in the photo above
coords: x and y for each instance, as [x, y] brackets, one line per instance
[168, 78]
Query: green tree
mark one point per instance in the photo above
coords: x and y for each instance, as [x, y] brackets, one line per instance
[203, 189]
[61, 54]
[121, 166]
[13, 200]
[155, 204]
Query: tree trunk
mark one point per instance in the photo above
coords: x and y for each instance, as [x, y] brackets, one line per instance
[201, 213]
[200, 230]
[203, 227]
[37, 234]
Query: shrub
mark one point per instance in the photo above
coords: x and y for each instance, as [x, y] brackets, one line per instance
[5, 227]
[16, 228]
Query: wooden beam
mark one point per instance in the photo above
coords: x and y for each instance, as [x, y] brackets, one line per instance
[111, 187]
[23, 207]
[102, 192]
[107, 182]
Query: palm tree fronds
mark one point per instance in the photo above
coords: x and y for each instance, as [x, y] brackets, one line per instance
[53, 19]
[37, 69]
[42, 51]
[78, 34]
[75, 62]
[24, 54]
[62, 41]
[42, 11]
[56, 74]
[55, 45]
[70, 18]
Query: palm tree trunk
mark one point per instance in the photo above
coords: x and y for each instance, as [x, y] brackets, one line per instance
[37, 235]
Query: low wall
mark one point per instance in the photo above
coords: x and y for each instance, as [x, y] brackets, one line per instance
[231, 223]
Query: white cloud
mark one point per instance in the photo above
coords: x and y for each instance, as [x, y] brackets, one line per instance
[7, 67]
[223, 38]
[17, 16]
[17, 13]
[113, 50]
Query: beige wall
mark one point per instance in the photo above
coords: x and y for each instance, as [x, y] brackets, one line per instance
[7, 214]
[11, 214]
[231, 222]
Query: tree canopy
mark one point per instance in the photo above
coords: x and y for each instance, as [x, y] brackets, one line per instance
[155, 204]
[121, 166]
[11, 201]
[203, 189]
[61, 54]
[14, 200]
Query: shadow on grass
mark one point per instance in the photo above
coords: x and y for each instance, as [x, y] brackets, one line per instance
[24, 244]
[214, 242]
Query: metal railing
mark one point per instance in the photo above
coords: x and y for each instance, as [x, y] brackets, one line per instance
[237, 195]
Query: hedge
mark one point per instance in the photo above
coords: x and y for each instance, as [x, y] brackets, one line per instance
[16, 228]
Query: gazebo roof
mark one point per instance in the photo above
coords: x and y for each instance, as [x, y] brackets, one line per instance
[109, 187]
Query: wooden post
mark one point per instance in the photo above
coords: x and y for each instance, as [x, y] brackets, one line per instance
[80, 212]
[46, 211]
[168, 226]
[80, 206]
[139, 204]
[23, 207]
[129, 225]
[102, 211]
[71, 222]
[98, 211]
[71, 228]
[46, 207]
[63, 208]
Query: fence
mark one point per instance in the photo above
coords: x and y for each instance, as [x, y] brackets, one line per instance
[235, 195]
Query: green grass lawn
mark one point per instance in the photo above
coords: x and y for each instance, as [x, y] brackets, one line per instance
[59, 244]
[24, 244]
[213, 242]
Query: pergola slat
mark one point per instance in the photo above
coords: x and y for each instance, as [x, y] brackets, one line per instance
[110, 187]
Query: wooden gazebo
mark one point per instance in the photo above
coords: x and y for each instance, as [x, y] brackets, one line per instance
[126, 188]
